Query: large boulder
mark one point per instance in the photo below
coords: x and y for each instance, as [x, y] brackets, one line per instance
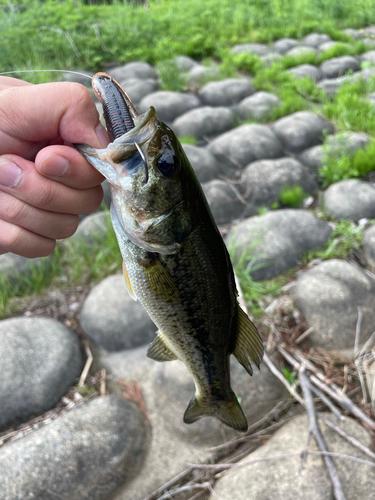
[40, 359]
[350, 199]
[368, 245]
[258, 106]
[139, 70]
[204, 122]
[338, 66]
[203, 162]
[225, 203]
[113, 319]
[274, 241]
[88, 452]
[168, 104]
[226, 92]
[329, 295]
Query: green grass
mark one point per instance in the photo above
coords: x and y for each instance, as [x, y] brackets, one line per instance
[339, 164]
[70, 34]
[345, 238]
[188, 139]
[292, 196]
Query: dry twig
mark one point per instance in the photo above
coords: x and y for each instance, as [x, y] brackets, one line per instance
[87, 366]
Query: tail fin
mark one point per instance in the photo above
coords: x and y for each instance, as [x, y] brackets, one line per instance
[229, 412]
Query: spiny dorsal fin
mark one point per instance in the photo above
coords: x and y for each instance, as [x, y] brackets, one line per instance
[229, 412]
[249, 345]
[128, 284]
[159, 349]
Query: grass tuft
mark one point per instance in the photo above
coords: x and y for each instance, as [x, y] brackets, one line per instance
[292, 196]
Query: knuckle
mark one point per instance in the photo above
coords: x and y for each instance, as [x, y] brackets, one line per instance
[81, 96]
[46, 195]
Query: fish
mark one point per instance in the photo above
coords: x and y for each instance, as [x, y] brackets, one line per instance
[175, 262]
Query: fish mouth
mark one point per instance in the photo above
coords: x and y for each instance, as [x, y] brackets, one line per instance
[118, 110]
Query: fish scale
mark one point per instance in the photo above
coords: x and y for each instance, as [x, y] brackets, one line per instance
[175, 261]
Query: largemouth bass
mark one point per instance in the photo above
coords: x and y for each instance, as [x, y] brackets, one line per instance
[175, 261]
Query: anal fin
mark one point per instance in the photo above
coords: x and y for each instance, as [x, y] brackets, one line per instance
[249, 345]
[229, 412]
[159, 349]
[128, 284]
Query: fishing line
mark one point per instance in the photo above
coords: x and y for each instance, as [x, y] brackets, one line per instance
[45, 70]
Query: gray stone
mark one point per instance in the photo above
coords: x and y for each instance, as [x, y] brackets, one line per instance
[199, 75]
[271, 58]
[344, 144]
[139, 70]
[203, 162]
[40, 359]
[283, 478]
[368, 56]
[246, 144]
[350, 199]
[332, 44]
[367, 74]
[371, 97]
[368, 245]
[355, 34]
[329, 295]
[338, 66]
[226, 92]
[258, 106]
[225, 205]
[169, 105]
[369, 30]
[330, 87]
[263, 180]
[301, 130]
[306, 70]
[256, 49]
[204, 122]
[274, 241]
[137, 88]
[369, 42]
[88, 452]
[315, 39]
[284, 44]
[184, 63]
[92, 227]
[301, 50]
[13, 267]
[113, 319]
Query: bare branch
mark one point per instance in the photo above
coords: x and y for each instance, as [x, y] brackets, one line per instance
[87, 366]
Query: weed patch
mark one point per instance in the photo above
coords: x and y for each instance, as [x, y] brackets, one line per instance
[292, 196]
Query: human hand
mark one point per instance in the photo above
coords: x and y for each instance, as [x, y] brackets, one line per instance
[45, 183]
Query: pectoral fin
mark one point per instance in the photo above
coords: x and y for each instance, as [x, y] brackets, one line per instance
[159, 349]
[160, 282]
[229, 412]
[248, 345]
[128, 284]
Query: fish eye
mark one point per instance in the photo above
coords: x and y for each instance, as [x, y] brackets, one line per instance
[167, 165]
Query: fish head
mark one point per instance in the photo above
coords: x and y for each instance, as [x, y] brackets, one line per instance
[151, 182]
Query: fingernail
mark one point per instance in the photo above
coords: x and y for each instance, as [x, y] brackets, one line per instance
[10, 173]
[102, 135]
[54, 166]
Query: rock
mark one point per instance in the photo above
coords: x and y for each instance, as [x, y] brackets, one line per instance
[247, 143]
[271, 58]
[284, 479]
[306, 70]
[226, 92]
[368, 56]
[139, 70]
[113, 319]
[40, 359]
[300, 51]
[330, 45]
[14, 267]
[350, 199]
[224, 203]
[284, 44]
[329, 295]
[368, 245]
[137, 89]
[355, 34]
[255, 49]
[92, 228]
[258, 106]
[369, 31]
[204, 122]
[338, 66]
[88, 452]
[315, 39]
[366, 74]
[274, 241]
[202, 74]
[344, 144]
[330, 87]
[169, 105]
[301, 130]
[184, 63]
[203, 162]
[263, 180]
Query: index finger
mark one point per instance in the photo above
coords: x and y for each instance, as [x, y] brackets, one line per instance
[35, 113]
